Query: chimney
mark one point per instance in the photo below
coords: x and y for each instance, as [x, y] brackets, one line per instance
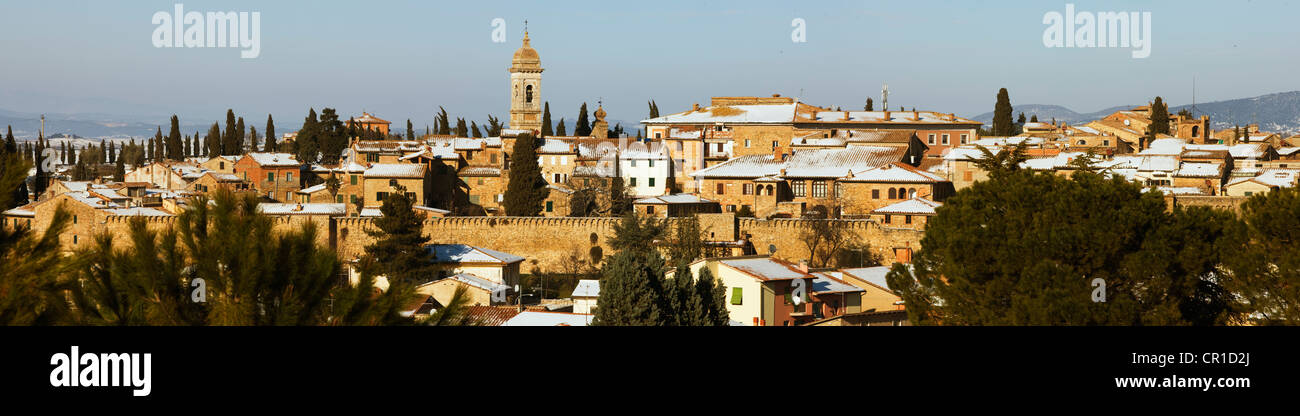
[916, 116]
[886, 115]
[695, 107]
[803, 265]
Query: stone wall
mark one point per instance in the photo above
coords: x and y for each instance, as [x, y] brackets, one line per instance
[548, 242]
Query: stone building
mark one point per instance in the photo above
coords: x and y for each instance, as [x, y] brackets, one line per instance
[526, 89]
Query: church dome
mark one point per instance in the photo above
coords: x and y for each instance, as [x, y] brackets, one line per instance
[525, 57]
[600, 113]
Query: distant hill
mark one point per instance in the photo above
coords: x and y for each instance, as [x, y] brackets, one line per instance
[1273, 112]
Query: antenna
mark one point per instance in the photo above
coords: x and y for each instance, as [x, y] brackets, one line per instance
[1193, 96]
[884, 95]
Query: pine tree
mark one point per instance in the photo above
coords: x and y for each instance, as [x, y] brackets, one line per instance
[583, 127]
[527, 189]
[399, 251]
[631, 291]
[270, 146]
[1159, 117]
[546, 120]
[1002, 114]
[332, 138]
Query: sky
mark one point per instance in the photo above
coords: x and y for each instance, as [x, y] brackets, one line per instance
[403, 59]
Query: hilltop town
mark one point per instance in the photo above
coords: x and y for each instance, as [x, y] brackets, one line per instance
[760, 176]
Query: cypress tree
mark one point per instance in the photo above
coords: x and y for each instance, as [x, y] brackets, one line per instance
[869, 105]
[473, 127]
[270, 135]
[526, 189]
[583, 128]
[1033, 119]
[546, 120]
[631, 291]
[174, 140]
[1159, 117]
[252, 139]
[305, 144]
[461, 129]
[239, 138]
[559, 128]
[442, 122]
[410, 130]
[1002, 114]
[227, 146]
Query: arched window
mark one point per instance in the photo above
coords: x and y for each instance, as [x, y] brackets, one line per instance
[528, 94]
[902, 193]
[911, 193]
[770, 190]
[893, 194]
[1195, 130]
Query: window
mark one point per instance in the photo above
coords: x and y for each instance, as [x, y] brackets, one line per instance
[549, 206]
[651, 181]
[659, 135]
[747, 189]
[649, 209]
[221, 165]
[720, 189]
[1105, 142]
[911, 193]
[270, 176]
[719, 149]
[774, 144]
[966, 175]
[887, 218]
[338, 199]
[74, 239]
[964, 137]
[411, 196]
[288, 196]
[945, 139]
[288, 176]
[746, 143]
[875, 194]
[632, 163]
[74, 219]
[557, 178]
[839, 190]
[731, 208]
[819, 189]
[930, 139]
[352, 198]
[652, 163]
[528, 94]
[893, 194]
[631, 182]
[353, 179]
[380, 196]
[564, 160]
[493, 158]
[907, 219]
[799, 188]
[392, 182]
[1082, 142]
[736, 295]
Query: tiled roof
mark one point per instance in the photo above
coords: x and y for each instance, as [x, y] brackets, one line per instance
[765, 268]
[461, 253]
[301, 209]
[275, 159]
[896, 173]
[490, 315]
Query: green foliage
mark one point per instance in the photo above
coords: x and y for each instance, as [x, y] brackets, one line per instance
[1159, 116]
[1002, 114]
[306, 145]
[1266, 270]
[527, 189]
[637, 234]
[631, 291]
[399, 250]
[31, 290]
[583, 128]
[687, 243]
[1002, 163]
[1025, 248]
[546, 120]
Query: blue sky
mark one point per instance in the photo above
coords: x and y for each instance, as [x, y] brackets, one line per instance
[402, 59]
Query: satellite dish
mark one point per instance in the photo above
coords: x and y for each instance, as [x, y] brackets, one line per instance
[771, 248]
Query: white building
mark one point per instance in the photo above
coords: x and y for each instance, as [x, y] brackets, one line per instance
[645, 173]
[585, 295]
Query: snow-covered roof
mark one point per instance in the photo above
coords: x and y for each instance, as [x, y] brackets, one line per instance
[302, 208]
[1180, 190]
[138, 212]
[894, 117]
[765, 268]
[967, 153]
[538, 318]
[914, 206]
[461, 253]
[478, 282]
[757, 114]
[275, 159]
[749, 166]
[874, 275]
[485, 171]
[1199, 170]
[313, 189]
[1283, 178]
[1009, 141]
[895, 173]
[554, 146]
[674, 199]
[827, 283]
[395, 170]
[810, 163]
[587, 288]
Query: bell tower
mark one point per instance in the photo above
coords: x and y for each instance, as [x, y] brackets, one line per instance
[526, 89]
